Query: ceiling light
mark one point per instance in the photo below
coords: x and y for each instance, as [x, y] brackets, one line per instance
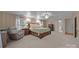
[59, 21]
[46, 16]
[38, 16]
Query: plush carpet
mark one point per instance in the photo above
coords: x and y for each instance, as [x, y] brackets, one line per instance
[55, 40]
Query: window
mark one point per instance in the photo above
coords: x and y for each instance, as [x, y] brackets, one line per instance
[17, 22]
[20, 22]
[60, 25]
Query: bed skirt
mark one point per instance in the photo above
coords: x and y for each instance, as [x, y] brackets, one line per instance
[40, 35]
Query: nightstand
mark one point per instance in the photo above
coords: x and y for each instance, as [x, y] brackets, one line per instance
[51, 26]
[26, 31]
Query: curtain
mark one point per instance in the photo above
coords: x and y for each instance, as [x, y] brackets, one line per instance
[18, 23]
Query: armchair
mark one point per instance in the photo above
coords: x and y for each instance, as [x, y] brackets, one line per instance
[15, 34]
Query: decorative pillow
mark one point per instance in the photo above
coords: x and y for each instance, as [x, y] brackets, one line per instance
[35, 26]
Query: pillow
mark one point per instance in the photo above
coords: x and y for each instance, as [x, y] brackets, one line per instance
[35, 26]
[3, 29]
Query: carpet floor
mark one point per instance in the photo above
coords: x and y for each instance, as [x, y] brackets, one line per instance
[55, 40]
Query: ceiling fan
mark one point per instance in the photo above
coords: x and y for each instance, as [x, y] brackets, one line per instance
[46, 15]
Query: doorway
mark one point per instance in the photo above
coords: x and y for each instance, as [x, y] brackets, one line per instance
[75, 27]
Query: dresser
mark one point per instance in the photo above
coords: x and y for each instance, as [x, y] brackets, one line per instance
[51, 26]
[4, 38]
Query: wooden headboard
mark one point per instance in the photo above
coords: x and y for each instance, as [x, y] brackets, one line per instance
[34, 25]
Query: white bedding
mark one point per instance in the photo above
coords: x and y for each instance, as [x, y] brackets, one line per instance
[40, 30]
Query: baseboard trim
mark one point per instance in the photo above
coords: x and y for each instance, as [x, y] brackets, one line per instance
[68, 33]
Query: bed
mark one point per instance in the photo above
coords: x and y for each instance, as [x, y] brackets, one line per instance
[40, 32]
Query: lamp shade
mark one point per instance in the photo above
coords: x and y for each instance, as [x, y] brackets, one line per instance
[28, 20]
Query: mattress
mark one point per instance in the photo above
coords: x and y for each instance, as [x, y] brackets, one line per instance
[39, 30]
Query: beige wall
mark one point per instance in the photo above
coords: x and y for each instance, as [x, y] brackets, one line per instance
[69, 25]
[77, 15]
[54, 20]
[78, 25]
[7, 20]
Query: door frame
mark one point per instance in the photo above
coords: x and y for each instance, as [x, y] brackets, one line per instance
[75, 27]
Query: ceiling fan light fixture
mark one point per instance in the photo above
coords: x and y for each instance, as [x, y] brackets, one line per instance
[46, 16]
[28, 15]
[38, 17]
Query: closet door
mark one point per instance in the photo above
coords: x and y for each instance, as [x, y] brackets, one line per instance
[69, 26]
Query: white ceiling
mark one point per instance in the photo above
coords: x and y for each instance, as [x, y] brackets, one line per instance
[35, 13]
